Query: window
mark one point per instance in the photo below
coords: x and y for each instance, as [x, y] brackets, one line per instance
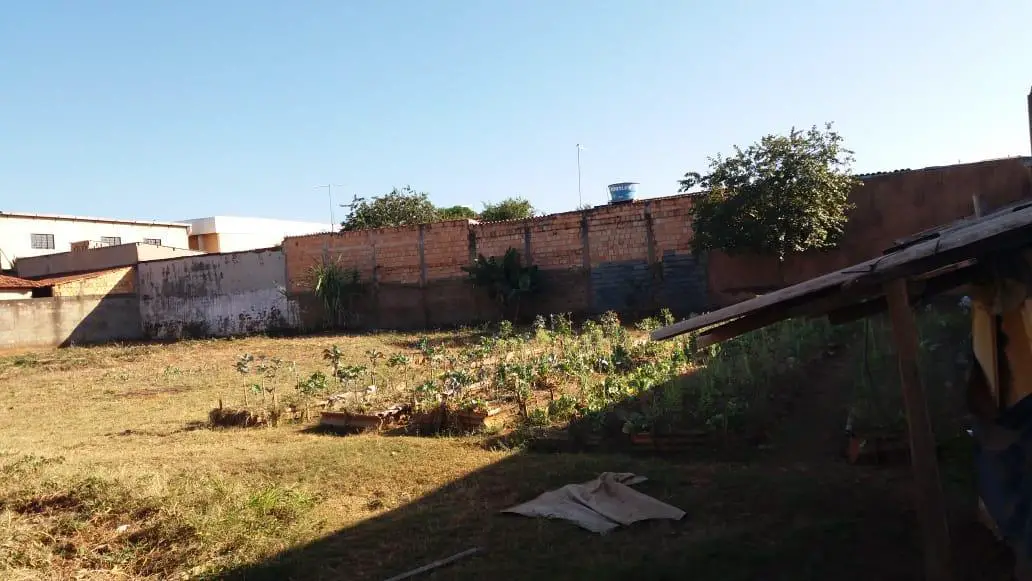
[110, 240]
[42, 241]
[154, 241]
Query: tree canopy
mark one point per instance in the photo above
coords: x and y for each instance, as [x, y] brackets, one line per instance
[406, 207]
[400, 207]
[508, 209]
[784, 194]
[455, 213]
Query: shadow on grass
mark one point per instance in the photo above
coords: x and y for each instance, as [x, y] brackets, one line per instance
[761, 520]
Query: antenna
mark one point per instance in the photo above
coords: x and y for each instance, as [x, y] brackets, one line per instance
[329, 194]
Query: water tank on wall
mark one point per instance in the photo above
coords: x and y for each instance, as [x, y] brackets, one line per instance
[622, 192]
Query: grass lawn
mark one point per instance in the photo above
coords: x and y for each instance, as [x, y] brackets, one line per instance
[107, 471]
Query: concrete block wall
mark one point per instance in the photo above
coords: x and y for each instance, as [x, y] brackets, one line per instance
[219, 295]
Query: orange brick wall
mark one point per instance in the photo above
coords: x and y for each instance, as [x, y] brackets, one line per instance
[639, 254]
[888, 207]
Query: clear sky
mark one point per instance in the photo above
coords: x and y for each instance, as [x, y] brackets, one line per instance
[175, 109]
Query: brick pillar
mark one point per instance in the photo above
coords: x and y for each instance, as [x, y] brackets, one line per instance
[586, 262]
[528, 257]
[422, 275]
[655, 265]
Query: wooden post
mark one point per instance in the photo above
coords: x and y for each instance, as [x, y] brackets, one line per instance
[931, 510]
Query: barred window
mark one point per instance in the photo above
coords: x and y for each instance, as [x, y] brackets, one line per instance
[154, 241]
[111, 240]
[42, 241]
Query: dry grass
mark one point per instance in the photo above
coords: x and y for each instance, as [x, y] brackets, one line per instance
[107, 471]
[92, 439]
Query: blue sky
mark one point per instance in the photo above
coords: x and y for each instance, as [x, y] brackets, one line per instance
[166, 110]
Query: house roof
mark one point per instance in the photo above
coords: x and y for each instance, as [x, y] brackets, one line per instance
[91, 219]
[14, 283]
[935, 261]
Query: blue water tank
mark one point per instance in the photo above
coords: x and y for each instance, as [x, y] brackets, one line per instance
[622, 192]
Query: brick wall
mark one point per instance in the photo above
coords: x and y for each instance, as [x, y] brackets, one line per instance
[634, 257]
[591, 261]
[118, 281]
[888, 207]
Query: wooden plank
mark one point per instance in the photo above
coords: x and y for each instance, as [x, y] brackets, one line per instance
[931, 509]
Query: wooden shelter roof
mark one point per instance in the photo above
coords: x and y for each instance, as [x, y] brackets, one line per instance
[933, 261]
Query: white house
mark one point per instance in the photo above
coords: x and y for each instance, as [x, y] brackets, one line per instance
[23, 235]
[234, 233]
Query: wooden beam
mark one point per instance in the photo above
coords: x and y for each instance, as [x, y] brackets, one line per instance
[931, 509]
[818, 305]
[919, 290]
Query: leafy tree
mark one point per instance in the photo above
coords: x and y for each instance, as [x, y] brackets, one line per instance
[785, 194]
[506, 281]
[400, 207]
[508, 209]
[455, 213]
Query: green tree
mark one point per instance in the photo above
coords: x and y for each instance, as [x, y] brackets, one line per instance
[455, 213]
[508, 209]
[400, 207]
[785, 194]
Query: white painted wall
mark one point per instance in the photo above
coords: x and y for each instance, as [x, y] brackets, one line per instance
[237, 233]
[16, 234]
[13, 295]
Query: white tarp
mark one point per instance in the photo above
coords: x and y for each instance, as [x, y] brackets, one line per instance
[599, 505]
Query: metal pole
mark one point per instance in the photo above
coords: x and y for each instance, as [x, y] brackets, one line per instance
[580, 199]
[329, 196]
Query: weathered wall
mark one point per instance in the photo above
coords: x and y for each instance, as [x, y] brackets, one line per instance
[118, 281]
[236, 293]
[68, 321]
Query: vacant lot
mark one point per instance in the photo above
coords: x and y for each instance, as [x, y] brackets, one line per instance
[109, 471]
